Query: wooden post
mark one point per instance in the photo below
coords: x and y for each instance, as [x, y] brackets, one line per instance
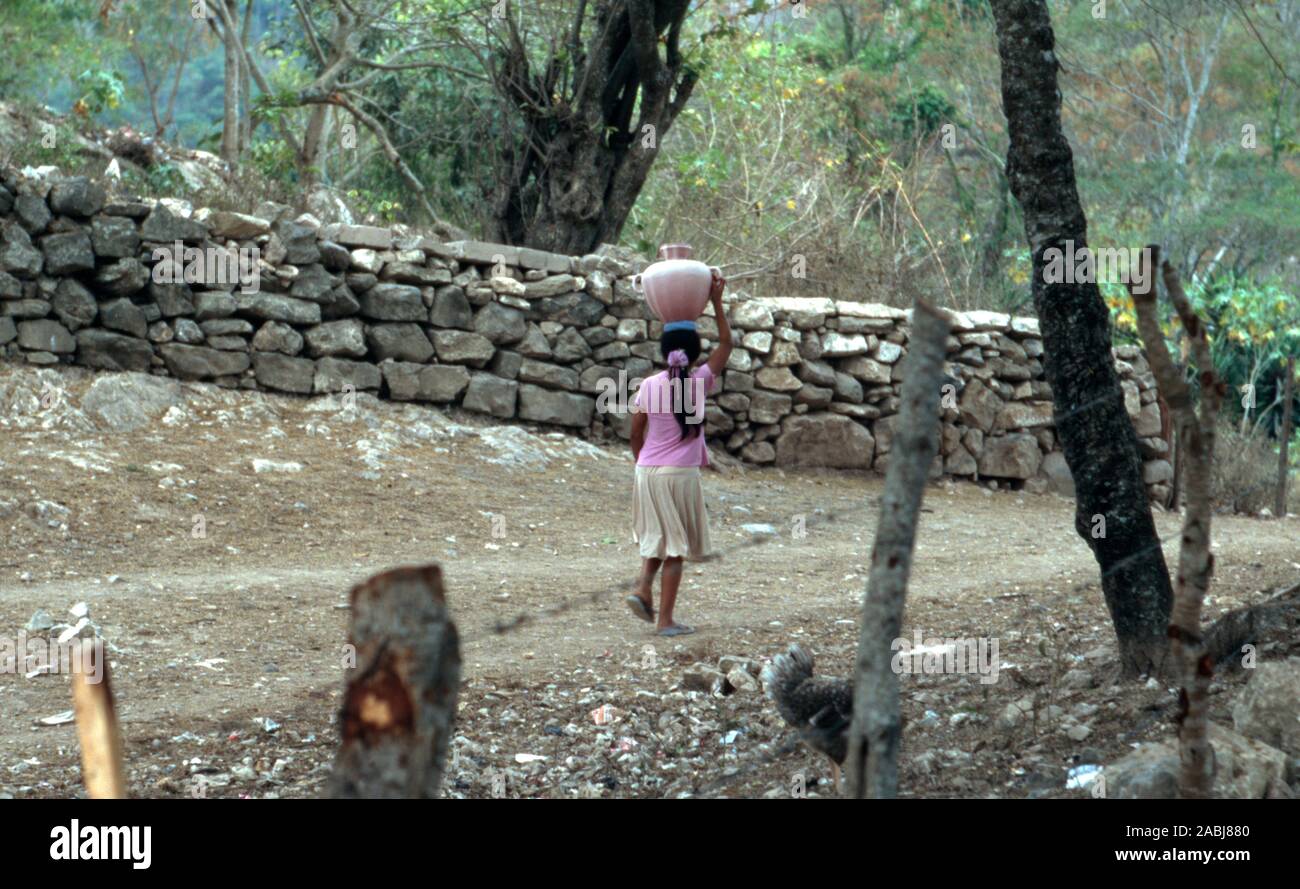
[97, 730]
[1283, 460]
[399, 706]
[877, 724]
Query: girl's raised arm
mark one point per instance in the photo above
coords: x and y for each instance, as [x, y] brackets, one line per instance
[718, 357]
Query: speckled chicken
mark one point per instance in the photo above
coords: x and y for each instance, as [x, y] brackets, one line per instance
[820, 707]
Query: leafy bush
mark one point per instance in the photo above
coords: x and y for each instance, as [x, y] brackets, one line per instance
[100, 90]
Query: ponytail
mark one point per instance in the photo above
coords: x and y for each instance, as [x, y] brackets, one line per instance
[682, 348]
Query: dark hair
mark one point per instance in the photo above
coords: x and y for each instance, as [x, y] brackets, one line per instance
[689, 342]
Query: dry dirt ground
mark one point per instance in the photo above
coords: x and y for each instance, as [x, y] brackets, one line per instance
[227, 631]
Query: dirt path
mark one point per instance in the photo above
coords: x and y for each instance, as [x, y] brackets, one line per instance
[248, 620]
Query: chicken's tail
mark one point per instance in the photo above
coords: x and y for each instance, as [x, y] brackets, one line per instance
[783, 676]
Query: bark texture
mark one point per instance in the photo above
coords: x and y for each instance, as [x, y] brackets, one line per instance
[877, 724]
[233, 80]
[1097, 437]
[1195, 562]
[570, 178]
[399, 706]
[1284, 439]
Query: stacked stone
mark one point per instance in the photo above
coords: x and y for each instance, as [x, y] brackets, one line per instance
[804, 365]
[506, 331]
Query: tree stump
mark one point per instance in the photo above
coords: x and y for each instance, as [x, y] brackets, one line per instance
[97, 729]
[399, 706]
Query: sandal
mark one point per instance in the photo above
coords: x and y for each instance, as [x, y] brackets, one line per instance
[640, 608]
[676, 630]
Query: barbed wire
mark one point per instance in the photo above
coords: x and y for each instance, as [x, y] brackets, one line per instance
[524, 618]
[819, 517]
[565, 605]
[767, 755]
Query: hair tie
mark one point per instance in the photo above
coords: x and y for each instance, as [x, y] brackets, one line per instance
[678, 358]
[679, 325]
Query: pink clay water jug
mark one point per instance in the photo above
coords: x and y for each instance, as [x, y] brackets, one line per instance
[676, 287]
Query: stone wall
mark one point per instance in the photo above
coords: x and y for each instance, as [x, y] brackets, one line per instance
[507, 331]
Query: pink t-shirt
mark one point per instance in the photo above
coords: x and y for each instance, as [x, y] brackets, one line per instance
[664, 444]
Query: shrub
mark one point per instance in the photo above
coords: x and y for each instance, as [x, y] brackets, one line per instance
[1244, 479]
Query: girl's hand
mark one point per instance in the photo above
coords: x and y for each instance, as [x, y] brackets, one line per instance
[719, 284]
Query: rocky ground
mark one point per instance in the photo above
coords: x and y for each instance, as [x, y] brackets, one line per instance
[212, 537]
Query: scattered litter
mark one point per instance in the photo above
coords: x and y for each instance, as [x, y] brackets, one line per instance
[605, 714]
[260, 465]
[58, 718]
[1081, 777]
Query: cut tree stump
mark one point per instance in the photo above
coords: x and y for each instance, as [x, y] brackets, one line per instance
[399, 705]
[97, 730]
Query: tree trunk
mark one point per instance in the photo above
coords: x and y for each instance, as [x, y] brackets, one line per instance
[1283, 461]
[245, 86]
[877, 725]
[1195, 563]
[311, 161]
[233, 78]
[570, 179]
[400, 702]
[1098, 440]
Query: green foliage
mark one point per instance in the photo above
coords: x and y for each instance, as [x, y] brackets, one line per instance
[160, 179]
[921, 113]
[273, 159]
[809, 137]
[373, 206]
[1252, 329]
[100, 90]
[46, 42]
[57, 148]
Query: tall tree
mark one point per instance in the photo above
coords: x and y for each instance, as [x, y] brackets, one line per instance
[350, 43]
[234, 78]
[591, 118]
[1112, 513]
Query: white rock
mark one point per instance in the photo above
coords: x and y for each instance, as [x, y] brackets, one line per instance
[888, 352]
[759, 341]
[752, 315]
[838, 345]
[260, 465]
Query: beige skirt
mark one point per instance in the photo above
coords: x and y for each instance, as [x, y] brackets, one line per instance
[668, 516]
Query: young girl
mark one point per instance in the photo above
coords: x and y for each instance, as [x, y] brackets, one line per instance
[668, 443]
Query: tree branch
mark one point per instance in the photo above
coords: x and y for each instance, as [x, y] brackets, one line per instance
[1195, 561]
[877, 724]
